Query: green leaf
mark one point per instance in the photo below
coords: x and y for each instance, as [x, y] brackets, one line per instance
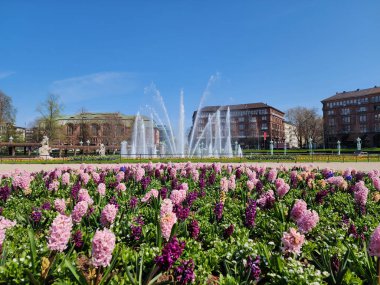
[77, 275]
[33, 250]
[110, 268]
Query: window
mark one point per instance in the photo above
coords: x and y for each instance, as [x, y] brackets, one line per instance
[94, 130]
[331, 122]
[363, 118]
[362, 109]
[347, 129]
[330, 112]
[346, 120]
[345, 111]
[241, 127]
[377, 108]
[264, 126]
[241, 133]
[377, 117]
[363, 128]
[70, 130]
[263, 118]
[252, 119]
[241, 119]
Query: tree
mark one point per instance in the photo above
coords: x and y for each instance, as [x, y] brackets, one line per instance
[7, 115]
[308, 124]
[50, 111]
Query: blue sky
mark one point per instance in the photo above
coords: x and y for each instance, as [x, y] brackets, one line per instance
[101, 55]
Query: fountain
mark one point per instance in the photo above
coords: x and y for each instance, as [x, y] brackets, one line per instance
[213, 141]
[123, 149]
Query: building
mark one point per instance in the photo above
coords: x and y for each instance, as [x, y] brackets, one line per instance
[353, 114]
[253, 125]
[10, 130]
[97, 128]
[290, 135]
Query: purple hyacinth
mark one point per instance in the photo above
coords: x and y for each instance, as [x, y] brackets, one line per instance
[184, 273]
[218, 211]
[145, 181]
[320, 196]
[163, 193]
[211, 179]
[136, 232]
[77, 239]
[133, 202]
[36, 216]
[229, 231]
[335, 263]
[174, 183]
[46, 206]
[5, 193]
[238, 173]
[113, 201]
[170, 253]
[157, 174]
[190, 198]
[194, 229]
[201, 183]
[250, 213]
[253, 265]
[75, 190]
[259, 187]
[181, 212]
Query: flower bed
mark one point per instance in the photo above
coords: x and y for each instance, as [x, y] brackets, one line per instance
[189, 223]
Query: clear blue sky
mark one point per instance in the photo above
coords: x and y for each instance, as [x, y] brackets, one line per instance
[102, 54]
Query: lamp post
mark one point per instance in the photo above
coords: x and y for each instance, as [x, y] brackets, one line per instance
[271, 147]
[11, 139]
[311, 145]
[338, 145]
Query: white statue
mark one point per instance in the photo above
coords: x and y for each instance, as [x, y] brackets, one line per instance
[44, 150]
[102, 150]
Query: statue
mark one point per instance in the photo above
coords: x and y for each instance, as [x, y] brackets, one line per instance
[359, 144]
[44, 150]
[102, 150]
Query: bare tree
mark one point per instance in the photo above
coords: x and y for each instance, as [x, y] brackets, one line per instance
[50, 111]
[7, 111]
[308, 124]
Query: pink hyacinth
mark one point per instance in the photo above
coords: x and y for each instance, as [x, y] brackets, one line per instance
[279, 182]
[166, 207]
[84, 196]
[282, 190]
[250, 185]
[361, 193]
[139, 174]
[374, 245]
[167, 222]
[184, 186]
[54, 185]
[120, 176]
[103, 245]
[80, 209]
[60, 232]
[265, 198]
[232, 183]
[272, 175]
[292, 241]
[21, 180]
[65, 178]
[4, 225]
[108, 215]
[178, 196]
[308, 221]
[102, 189]
[299, 208]
[60, 205]
[151, 193]
[85, 178]
[224, 184]
[95, 177]
[376, 183]
[121, 187]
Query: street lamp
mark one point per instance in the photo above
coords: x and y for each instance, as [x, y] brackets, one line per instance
[11, 139]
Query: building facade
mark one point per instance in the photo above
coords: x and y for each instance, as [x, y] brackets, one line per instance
[290, 135]
[97, 128]
[252, 125]
[353, 114]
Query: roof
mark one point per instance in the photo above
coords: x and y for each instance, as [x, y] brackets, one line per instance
[353, 94]
[238, 107]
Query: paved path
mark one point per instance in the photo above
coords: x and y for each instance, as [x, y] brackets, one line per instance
[363, 166]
